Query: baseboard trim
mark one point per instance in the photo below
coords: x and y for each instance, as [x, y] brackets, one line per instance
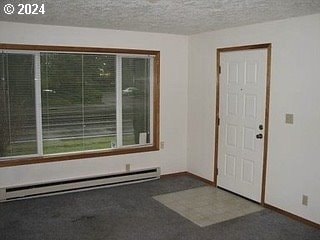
[188, 174]
[291, 215]
[174, 174]
[201, 179]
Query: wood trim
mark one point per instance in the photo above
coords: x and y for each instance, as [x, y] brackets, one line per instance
[201, 179]
[292, 216]
[73, 156]
[188, 174]
[110, 152]
[156, 103]
[76, 49]
[268, 47]
[177, 174]
[245, 47]
[266, 123]
[216, 146]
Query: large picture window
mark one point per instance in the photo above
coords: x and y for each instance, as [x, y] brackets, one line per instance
[63, 101]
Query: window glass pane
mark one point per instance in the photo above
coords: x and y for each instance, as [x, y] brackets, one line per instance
[78, 102]
[136, 100]
[62, 120]
[99, 101]
[17, 105]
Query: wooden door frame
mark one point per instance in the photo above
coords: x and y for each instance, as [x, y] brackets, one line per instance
[268, 47]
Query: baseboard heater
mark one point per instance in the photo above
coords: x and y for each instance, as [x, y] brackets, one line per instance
[80, 184]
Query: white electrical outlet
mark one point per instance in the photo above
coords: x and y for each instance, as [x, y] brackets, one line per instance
[289, 118]
[2, 193]
[305, 200]
[128, 166]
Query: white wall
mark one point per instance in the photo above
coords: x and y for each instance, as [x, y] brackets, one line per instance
[174, 83]
[293, 156]
[294, 150]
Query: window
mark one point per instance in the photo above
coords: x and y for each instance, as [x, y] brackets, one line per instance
[78, 100]
[61, 103]
[17, 105]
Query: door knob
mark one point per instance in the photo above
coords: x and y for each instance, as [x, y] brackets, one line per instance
[259, 136]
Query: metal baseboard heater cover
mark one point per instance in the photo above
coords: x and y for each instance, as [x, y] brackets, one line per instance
[80, 184]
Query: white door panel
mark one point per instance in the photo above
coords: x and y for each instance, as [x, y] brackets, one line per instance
[242, 110]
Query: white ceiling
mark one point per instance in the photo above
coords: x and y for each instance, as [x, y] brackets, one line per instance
[165, 16]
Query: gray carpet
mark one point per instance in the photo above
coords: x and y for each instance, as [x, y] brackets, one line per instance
[130, 212]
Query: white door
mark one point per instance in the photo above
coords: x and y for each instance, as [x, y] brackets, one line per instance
[242, 121]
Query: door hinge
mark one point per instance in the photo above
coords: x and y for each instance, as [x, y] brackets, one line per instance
[219, 69]
[218, 121]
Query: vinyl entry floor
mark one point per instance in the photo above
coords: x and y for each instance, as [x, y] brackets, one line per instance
[208, 205]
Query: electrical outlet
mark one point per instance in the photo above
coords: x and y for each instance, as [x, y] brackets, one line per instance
[162, 144]
[128, 166]
[305, 200]
[289, 118]
[2, 194]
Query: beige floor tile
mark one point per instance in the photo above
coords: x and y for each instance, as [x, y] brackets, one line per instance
[207, 205]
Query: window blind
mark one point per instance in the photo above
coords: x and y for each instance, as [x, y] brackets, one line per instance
[136, 100]
[17, 105]
[78, 102]
[71, 102]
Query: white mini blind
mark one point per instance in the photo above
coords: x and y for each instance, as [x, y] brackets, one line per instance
[135, 100]
[58, 102]
[78, 102]
[17, 105]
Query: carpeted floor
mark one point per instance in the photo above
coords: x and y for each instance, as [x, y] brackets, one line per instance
[130, 212]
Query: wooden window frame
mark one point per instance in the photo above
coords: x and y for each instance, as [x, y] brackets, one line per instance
[16, 161]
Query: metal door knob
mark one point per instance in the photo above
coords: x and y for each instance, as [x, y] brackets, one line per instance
[259, 136]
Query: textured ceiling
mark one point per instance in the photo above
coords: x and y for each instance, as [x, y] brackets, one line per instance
[164, 16]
